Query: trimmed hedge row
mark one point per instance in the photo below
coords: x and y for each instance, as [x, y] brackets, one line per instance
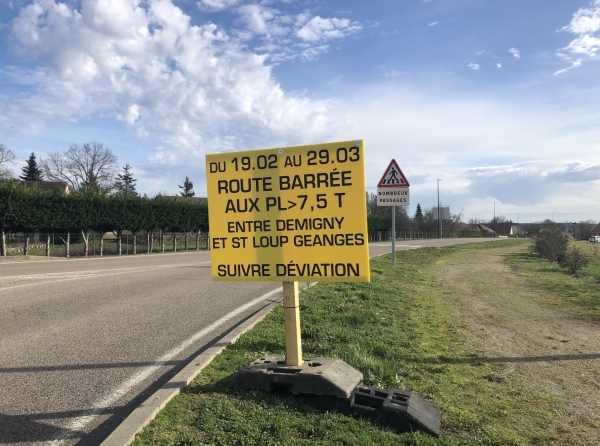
[31, 210]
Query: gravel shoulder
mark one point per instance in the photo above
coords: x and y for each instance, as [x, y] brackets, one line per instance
[507, 319]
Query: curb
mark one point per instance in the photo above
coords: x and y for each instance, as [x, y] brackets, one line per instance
[125, 433]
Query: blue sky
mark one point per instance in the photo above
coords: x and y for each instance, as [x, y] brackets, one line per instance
[501, 100]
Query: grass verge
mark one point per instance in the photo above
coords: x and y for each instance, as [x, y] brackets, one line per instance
[397, 331]
[579, 295]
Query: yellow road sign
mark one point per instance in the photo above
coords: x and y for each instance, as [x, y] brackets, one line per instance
[289, 214]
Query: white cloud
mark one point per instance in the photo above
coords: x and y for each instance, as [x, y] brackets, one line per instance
[284, 37]
[499, 65]
[319, 29]
[464, 139]
[585, 24]
[515, 53]
[145, 64]
[575, 64]
[473, 66]
[259, 20]
[586, 45]
[215, 5]
[585, 20]
[393, 73]
[433, 24]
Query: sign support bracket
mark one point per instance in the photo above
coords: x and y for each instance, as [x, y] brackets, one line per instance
[291, 311]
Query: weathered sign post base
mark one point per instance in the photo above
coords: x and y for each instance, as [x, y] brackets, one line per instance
[332, 385]
[401, 410]
[320, 376]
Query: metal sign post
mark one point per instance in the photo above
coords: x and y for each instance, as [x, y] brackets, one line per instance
[393, 235]
[393, 190]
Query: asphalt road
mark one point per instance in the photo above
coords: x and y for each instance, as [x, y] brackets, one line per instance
[84, 341]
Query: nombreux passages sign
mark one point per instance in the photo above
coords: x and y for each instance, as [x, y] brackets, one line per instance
[289, 214]
[393, 188]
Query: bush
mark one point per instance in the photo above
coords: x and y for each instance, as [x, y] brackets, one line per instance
[551, 242]
[574, 259]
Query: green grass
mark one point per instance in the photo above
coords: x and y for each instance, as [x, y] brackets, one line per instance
[397, 330]
[579, 295]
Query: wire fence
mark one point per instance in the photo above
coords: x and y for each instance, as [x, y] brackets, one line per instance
[379, 236]
[73, 244]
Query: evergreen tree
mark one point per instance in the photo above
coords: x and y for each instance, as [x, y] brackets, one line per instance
[125, 183]
[419, 213]
[187, 190]
[31, 172]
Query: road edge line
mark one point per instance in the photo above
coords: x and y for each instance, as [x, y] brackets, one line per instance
[142, 415]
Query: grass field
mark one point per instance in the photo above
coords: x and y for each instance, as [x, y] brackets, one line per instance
[580, 294]
[399, 331]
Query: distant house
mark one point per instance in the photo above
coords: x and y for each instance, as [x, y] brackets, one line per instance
[502, 230]
[486, 229]
[595, 230]
[465, 226]
[506, 230]
[49, 186]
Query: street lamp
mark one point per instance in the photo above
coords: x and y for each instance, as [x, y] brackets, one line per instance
[439, 218]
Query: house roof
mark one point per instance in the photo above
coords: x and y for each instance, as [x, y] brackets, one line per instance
[595, 228]
[500, 229]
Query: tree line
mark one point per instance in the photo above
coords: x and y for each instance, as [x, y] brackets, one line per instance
[379, 218]
[89, 165]
[88, 209]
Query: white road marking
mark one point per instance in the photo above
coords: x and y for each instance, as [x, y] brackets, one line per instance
[88, 274]
[78, 424]
[108, 257]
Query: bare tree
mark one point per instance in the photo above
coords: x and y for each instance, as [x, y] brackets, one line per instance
[91, 165]
[6, 156]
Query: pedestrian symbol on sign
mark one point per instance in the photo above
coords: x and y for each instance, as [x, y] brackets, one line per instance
[393, 176]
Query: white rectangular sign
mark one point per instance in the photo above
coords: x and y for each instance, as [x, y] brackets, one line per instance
[393, 196]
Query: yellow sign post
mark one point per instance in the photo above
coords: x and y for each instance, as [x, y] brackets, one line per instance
[289, 214]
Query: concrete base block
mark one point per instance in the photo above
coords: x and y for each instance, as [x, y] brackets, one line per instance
[318, 376]
[332, 385]
[401, 410]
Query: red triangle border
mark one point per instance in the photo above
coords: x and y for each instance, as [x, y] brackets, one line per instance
[395, 164]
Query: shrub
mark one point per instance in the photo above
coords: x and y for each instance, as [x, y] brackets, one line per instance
[551, 242]
[574, 259]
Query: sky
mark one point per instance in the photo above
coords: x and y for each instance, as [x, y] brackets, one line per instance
[498, 100]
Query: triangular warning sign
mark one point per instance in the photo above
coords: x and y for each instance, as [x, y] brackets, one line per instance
[393, 177]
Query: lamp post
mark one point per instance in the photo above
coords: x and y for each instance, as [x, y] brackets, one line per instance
[494, 219]
[439, 211]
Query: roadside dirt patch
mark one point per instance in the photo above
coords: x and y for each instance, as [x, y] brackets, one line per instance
[506, 319]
